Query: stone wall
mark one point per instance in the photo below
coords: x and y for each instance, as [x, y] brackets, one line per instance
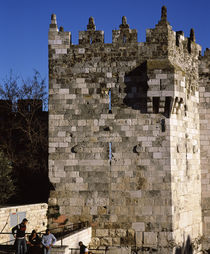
[36, 215]
[204, 72]
[73, 240]
[124, 134]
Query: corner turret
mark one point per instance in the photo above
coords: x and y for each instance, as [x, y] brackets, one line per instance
[174, 57]
[58, 41]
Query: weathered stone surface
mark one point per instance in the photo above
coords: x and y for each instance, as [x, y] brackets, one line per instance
[129, 138]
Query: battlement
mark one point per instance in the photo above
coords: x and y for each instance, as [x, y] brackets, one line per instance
[164, 52]
[124, 37]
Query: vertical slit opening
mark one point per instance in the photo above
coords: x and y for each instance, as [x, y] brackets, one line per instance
[110, 152]
[124, 39]
[163, 125]
[168, 106]
[110, 102]
[156, 102]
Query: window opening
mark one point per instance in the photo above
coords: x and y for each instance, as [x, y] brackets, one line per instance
[110, 102]
[124, 39]
[163, 125]
[110, 152]
[156, 102]
[91, 41]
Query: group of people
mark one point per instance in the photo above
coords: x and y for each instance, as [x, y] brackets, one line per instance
[35, 244]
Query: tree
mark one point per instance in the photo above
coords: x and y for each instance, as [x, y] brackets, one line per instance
[7, 187]
[24, 133]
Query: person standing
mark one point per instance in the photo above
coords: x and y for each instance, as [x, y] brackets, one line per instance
[19, 232]
[83, 248]
[48, 240]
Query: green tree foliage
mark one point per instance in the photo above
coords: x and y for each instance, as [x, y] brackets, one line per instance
[7, 187]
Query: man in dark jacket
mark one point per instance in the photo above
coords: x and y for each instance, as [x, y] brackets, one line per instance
[83, 248]
[19, 233]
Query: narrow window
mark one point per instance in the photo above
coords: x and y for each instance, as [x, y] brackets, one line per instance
[163, 125]
[91, 41]
[110, 152]
[110, 103]
[29, 108]
[124, 38]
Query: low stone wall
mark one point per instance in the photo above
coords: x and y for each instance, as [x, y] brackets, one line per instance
[73, 240]
[35, 213]
[60, 250]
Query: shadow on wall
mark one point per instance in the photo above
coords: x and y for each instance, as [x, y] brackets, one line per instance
[186, 247]
[136, 88]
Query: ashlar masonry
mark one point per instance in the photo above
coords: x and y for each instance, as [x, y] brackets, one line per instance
[129, 136]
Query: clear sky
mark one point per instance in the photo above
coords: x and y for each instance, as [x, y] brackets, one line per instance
[25, 23]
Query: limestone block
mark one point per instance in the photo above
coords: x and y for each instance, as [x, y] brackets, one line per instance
[61, 51]
[119, 250]
[80, 80]
[139, 239]
[106, 241]
[113, 218]
[120, 232]
[116, 241]
[63, 91]
[95, 243]
[154, 82]
[161, 76]
[74, 210]
[112, 232]
[138, 226]
[102, 232]
[150, 238]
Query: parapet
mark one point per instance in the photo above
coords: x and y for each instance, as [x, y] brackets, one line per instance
[161, 41]
[122, 36]
[59, 38]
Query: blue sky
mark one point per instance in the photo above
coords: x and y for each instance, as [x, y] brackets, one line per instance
[25, 23]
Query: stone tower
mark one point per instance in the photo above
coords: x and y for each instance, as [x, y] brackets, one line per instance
[204, 110]
[124, 135]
